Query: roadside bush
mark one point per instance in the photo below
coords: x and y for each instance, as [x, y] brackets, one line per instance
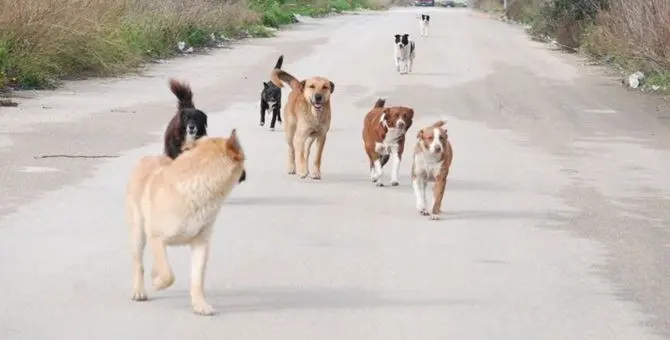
[43, 41]
[487, 5]
[636, 33]
[566, 20]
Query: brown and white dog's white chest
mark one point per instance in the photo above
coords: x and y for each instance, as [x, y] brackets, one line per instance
[390, 143]
[427, 165]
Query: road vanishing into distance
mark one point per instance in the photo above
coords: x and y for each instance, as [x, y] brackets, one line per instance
[556, 215]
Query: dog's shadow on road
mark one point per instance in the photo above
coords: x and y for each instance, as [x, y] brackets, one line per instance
[441, 74]
[289, 298]
[278, 200]
[496, 215]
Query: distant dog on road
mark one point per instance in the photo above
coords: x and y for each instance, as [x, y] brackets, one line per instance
[308, 114]
[424, 24]
[404, 52]
[271, 99]
[176, 202]
[433, 155]
[384, 137]
[187, 125]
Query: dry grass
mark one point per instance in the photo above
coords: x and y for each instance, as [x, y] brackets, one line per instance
[45, 40]
[487, 5]
[637, 32]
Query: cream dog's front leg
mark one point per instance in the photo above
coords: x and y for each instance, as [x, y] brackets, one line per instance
[199, 255]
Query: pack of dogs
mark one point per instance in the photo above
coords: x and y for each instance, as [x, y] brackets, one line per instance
[174, 198]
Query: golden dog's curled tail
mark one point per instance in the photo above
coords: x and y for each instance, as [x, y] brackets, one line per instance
[280, 61]
[381, 101]
[277, 76]
[183, 93]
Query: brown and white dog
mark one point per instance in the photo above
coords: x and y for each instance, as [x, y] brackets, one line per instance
[384, 138]
[307, 116]
[432, 159]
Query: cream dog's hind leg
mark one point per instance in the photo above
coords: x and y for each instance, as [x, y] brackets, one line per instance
[161, 273]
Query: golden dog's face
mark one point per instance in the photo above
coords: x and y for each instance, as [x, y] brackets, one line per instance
[317, 91]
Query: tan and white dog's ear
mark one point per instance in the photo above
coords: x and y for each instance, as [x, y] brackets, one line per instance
[382, 119]
[233, 147]
[439, 123]
[419, 135]
[332, 87]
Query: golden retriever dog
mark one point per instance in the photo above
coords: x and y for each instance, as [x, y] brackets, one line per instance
[307, 117]
[176, 202]
[433, 156]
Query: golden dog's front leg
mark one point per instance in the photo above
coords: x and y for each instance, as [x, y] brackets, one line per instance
[291, 160]
[301, 163]
[320, 143]
[199, 255]
[161, 273]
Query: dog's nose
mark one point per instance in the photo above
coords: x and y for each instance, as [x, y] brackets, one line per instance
[318, 97]
[400, 124]
[243, 176]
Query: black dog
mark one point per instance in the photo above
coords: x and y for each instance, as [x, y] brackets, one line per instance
[271, 99]
[188, 124]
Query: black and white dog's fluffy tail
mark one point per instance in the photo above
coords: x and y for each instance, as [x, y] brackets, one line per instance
[183, 93]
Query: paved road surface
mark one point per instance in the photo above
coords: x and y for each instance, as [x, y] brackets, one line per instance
[557, 209]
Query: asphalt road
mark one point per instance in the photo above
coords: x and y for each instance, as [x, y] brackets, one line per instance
[556, 212]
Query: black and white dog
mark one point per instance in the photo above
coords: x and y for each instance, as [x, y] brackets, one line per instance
[424, 24]
[271, 99]
[404, 53]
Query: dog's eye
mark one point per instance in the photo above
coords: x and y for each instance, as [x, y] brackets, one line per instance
[312, 86]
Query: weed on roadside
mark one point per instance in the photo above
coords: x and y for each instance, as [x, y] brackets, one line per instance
[42, 42]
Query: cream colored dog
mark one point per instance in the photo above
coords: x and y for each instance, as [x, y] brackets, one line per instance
[176, 202]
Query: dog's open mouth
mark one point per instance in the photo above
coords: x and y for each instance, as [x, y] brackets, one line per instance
[318, 106]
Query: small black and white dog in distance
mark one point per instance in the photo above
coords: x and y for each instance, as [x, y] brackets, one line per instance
[404, 53]
[271, 99]
[424, 24]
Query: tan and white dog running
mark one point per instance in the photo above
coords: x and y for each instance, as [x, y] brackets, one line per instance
[176, 202]
[384, 131]
[307, 116]
[432, 159]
